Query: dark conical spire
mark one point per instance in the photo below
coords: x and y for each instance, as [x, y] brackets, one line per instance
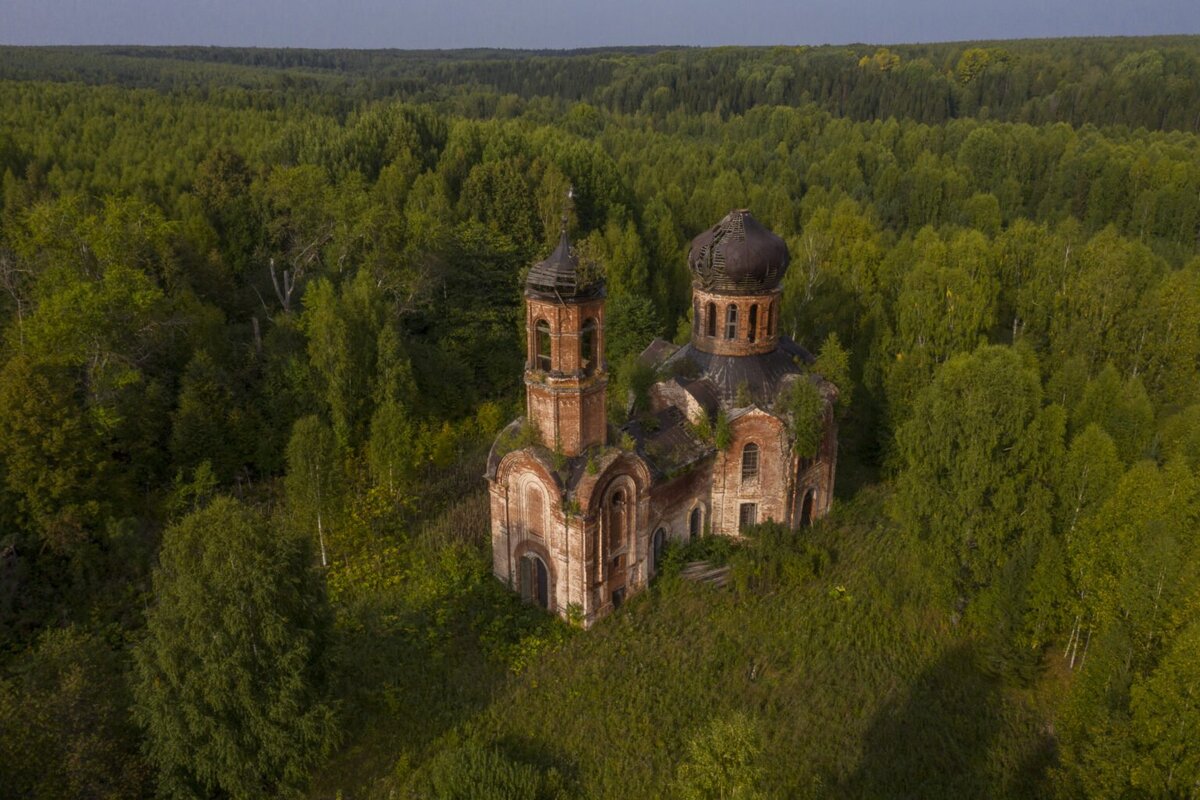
[561, 276]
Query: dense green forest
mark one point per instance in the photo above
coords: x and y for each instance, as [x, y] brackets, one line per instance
[261, 319]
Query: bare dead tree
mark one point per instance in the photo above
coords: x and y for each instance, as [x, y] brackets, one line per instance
[284, 291]
[816, 257]
[300, 261]
[257, 336]
[408, 284]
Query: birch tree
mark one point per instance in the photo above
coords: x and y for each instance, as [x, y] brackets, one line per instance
[315, 485]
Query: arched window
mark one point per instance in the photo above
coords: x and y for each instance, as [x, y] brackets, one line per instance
[731, 323]
[656, 548]
[750, 462]
[542, 342]
[589, 347]
[711, 315]
[695, 523]
[753, 327]
[770, 319]
[616, 520]
[535, 514]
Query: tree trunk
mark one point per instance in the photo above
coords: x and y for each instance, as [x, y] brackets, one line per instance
[321, 539]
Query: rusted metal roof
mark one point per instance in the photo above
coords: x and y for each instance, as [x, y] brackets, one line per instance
[738, 255]
[561, 276]
[657, 352]
[763, 375]
[667, 441]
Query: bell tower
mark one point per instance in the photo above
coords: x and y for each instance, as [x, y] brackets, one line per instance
[565, 373]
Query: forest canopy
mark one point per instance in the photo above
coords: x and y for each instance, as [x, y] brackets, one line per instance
[261, 317]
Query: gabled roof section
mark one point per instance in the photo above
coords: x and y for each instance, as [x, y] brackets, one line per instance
[667, 441]
[657, 352]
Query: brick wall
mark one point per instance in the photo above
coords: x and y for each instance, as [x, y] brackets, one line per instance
[763, 308]
[770, 491]
[566, 402]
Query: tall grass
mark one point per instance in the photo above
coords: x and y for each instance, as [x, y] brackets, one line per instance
[832, 642]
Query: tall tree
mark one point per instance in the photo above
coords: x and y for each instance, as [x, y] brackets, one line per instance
[315, 484]
[976, 459]
[1166, 716]
[231, 673]
[55, 461]
[1120, 408]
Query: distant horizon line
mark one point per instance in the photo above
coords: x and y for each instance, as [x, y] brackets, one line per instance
[601, 48]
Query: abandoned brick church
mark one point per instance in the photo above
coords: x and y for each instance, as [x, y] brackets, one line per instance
[581, 510]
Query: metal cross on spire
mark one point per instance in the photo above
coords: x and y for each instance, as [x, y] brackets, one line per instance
[566, 212]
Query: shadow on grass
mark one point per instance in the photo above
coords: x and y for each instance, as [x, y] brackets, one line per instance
[937, 741]
[413, 666]
[403, 681]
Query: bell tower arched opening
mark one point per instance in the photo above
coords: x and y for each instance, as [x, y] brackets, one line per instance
[589, 347]
[542, 344]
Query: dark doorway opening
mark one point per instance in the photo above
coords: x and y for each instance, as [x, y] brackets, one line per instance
[535, 581]
[806, 509]
[656, 548]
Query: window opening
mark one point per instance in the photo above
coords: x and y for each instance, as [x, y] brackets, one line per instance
[747, 515]
[543, 345]
[534, 511]
[616, 520]
[750, 462]
[589, 355]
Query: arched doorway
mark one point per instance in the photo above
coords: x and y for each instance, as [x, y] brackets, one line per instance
[657, 543]
[695, 523]
[806, 508]
[535, 581]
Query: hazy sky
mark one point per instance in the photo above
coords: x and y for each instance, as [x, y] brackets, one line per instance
[575, 23]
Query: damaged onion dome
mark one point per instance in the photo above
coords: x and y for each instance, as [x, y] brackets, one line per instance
[562, 277]
[738, 255]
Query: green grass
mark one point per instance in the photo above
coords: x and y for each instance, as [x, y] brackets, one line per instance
[838, 651]
[425, 637]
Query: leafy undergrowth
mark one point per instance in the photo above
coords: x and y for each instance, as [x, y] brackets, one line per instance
[827, 650]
